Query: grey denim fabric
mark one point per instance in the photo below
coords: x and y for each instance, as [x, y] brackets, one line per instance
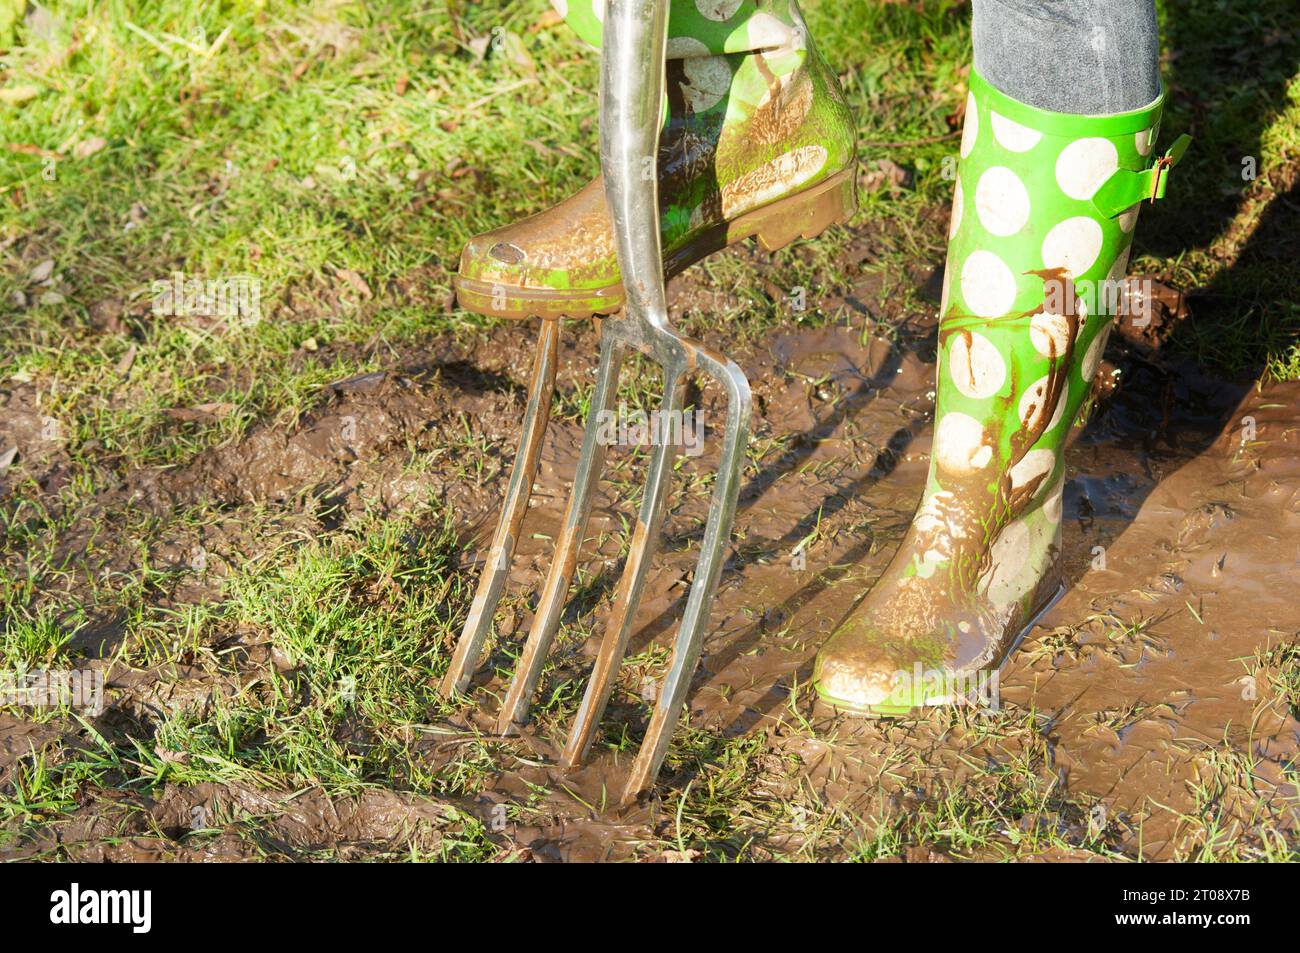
[1087, 57]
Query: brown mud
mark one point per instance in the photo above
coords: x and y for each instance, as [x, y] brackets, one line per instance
[1144, 691]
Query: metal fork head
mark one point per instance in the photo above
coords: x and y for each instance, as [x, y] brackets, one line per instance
[631, 98]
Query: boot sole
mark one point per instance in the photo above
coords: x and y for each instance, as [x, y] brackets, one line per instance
[803, 215]
[901, 711]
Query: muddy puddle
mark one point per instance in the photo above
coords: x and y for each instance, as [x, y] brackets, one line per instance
[1145, 690]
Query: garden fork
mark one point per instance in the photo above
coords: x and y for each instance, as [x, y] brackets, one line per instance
[631, 97]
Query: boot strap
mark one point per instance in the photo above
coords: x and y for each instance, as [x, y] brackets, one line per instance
[1126, 188]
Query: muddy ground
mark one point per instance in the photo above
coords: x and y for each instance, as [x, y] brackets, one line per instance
[1153, 709]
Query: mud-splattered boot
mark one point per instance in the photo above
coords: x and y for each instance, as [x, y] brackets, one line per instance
[1042, 220]
[758, 142]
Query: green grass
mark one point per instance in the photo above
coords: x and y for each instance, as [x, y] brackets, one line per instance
[341, 153]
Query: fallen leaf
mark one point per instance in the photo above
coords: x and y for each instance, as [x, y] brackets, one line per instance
[547, 20]
[88, 147]
[403, 81]
[42, 24]
[171, 757]
[27, 150]
[51, 297]
[680, 856]
[201, 413]
[541, 148]
[17, 95]
[42, 271]
[356, 281]
[125, 361]
[886, 172]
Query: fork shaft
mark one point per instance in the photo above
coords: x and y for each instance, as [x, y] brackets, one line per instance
[496, 568]
[632, 75]
[514, 710]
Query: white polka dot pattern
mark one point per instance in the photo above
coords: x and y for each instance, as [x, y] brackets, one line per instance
[685, 47]
[1033, 405]
[718, 10]
[987, 285]
[1010, 578]
[1049, 333]
[976, 367]
[710, 79]
[959, 447]
[1001, 201]
[1034, 464]
[1073, 245]
[1011, 135]
[1084, 165]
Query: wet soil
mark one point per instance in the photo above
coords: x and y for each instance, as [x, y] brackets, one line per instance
[1140, 691]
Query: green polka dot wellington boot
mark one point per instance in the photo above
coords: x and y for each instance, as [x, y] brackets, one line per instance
[1042, 220]
[758, 143]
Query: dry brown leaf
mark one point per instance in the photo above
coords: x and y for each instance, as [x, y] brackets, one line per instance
[547, 20]
[42, 271]
[125, 361]
[26, 150]
[355, 280]
[17, 95]
[200, 413]
[88, 147]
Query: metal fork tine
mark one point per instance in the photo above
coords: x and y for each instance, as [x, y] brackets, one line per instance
[591, 460]
[645, 540]
[717, 533]
[496, 568]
